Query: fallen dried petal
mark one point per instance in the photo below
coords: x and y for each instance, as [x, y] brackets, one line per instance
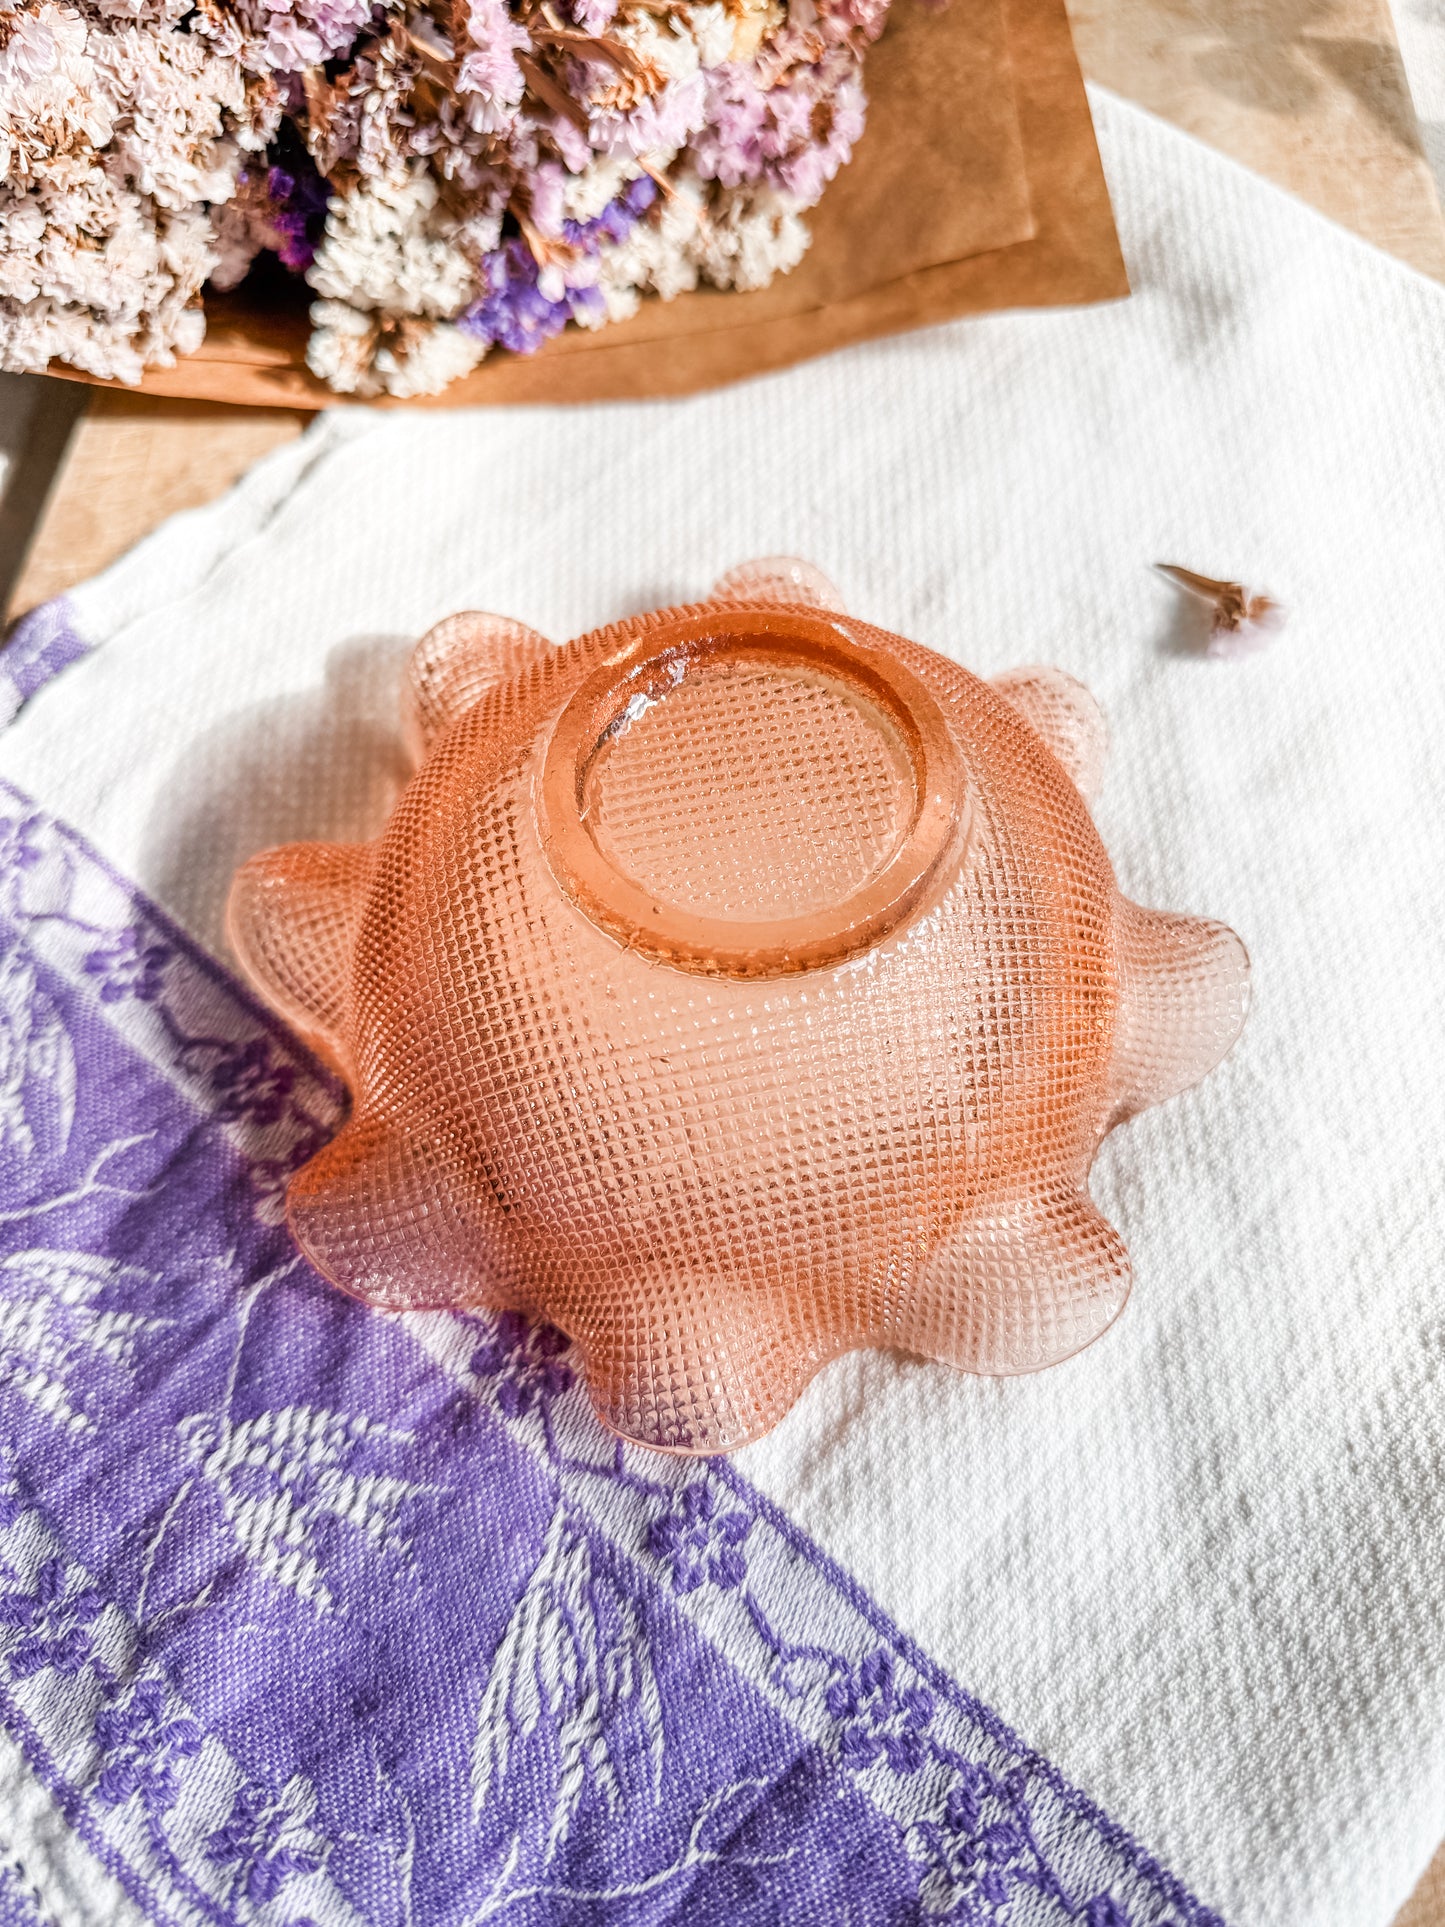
[1241, 620]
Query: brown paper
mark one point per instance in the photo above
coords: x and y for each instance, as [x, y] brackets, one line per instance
[976, 186]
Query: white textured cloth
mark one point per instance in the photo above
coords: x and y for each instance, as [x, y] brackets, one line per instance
[1203, 1565]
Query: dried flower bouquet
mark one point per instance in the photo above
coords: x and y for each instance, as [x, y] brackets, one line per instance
[448, 175]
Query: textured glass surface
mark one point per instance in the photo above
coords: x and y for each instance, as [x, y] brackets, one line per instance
[751, 792]
[734, 987]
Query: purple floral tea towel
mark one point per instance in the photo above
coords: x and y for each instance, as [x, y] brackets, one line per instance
[310, 1615]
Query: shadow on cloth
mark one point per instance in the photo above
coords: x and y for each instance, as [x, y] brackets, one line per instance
[325, 763]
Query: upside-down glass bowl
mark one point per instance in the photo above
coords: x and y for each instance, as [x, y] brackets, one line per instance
[734, 987]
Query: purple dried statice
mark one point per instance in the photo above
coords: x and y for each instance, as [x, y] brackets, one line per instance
[590, 16]
[533, 291]
[276, 209]
[301, 199]
[514, 311]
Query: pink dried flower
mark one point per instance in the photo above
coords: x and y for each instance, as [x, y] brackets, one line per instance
[547, 196]
[730, 146]
[840, 18]
[489, 67]
[767, 134]
[570, 141]
[1241, 620]
[667, 120]
[292, 35]
[592, 16]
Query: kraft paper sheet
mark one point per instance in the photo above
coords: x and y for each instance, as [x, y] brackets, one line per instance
[976, 186]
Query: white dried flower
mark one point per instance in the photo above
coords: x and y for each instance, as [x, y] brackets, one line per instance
[365, 354]
[241, 228]
[342, 342]
[753, 233]
[113, 309]
[663, 48]
[54, 111]
[115, 132]
[364, 116]
[173, 98]
[426, 361]
[387, 245]
[711, 27]
[585, 195]
[141, 13]
[659, 254]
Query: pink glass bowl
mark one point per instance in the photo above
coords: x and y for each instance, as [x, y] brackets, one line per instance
[734, 987]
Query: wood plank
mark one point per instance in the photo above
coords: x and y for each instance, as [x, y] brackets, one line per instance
[37, 420]
[132, 461]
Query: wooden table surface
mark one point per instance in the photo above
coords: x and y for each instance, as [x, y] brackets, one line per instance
[1310, 93]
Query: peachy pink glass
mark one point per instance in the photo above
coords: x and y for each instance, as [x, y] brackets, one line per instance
[734, 987]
